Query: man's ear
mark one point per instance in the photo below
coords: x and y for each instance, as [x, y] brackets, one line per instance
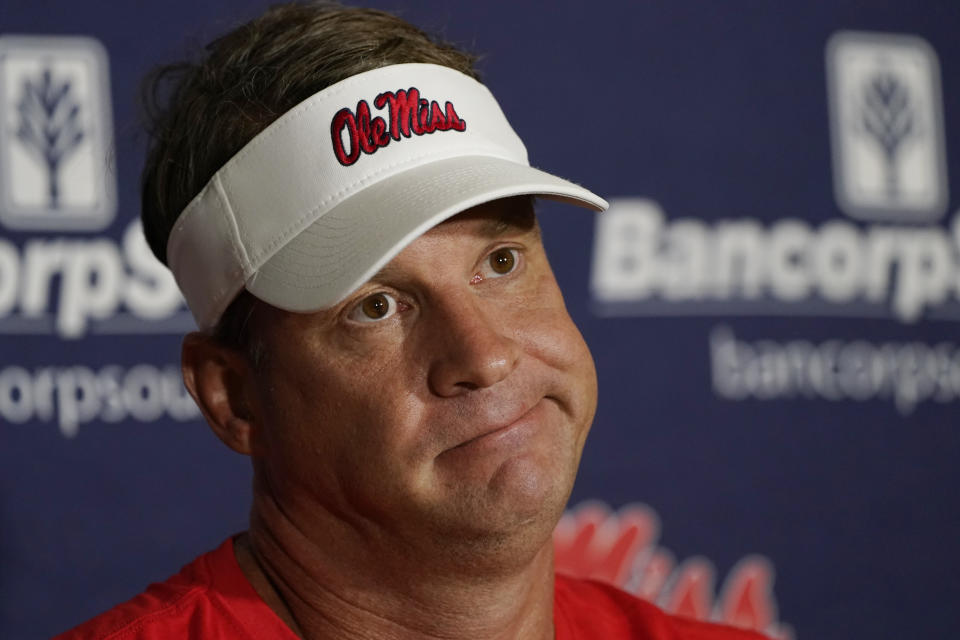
[220, 380]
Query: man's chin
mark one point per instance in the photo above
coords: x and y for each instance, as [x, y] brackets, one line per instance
[514, 514]
[522, 491]
[516, 479]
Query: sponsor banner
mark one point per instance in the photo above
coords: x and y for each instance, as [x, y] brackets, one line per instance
[73, 395]
[645, 264]
[897, 261]
[56, 140]
[56, 134]
[72, 287]
[74, 290]
[620, 548]
[903, 373]
[887, 125]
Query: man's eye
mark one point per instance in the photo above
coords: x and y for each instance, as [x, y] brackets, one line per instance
[377, 306]
[501, 262]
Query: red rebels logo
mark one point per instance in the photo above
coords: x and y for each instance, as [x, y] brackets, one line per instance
[621, 548]
[409, 115]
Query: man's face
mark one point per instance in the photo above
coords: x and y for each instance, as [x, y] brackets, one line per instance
[447, 398]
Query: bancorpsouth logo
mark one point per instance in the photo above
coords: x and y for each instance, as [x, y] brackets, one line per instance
[55, 138]
[410, 115]
[895, 261]
[56, 287]
[56, 133]
[55, 141]
[889, 163]
[621, 548]
[887, 127]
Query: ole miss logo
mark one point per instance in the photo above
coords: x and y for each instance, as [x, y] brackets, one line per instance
[409, 115]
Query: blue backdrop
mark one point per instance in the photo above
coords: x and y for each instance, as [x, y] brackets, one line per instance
[772, 303]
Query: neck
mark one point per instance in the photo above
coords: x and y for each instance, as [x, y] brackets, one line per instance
[327, 579]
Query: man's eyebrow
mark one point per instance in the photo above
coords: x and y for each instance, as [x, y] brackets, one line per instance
[510, 223]
[491, 228]
[386, 272]
[499, 226]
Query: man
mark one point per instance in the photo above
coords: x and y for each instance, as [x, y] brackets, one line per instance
[350, 218]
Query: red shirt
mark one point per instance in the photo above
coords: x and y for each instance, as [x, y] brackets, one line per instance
[586, 609]
[212, 599]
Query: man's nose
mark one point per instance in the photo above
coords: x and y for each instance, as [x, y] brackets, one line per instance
[471, 344]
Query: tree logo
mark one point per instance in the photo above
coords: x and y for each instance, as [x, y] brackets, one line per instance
[887, 127]
[55, 134]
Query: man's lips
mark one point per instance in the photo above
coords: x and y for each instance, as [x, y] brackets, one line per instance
[525, 418]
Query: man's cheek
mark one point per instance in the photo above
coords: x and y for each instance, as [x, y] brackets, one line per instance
[558, 342]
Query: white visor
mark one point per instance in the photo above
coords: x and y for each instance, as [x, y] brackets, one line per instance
[324, 197]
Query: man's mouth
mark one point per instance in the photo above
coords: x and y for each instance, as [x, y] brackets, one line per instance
[525, 420]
